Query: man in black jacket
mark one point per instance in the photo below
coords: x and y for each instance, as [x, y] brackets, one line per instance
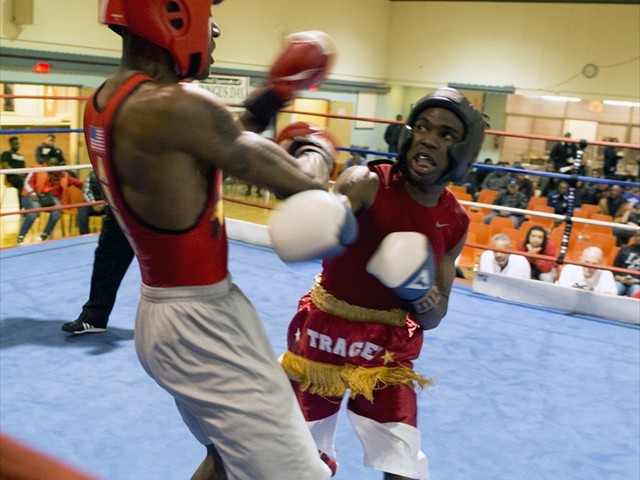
[562, 154]
[392, 134]
[12, 158]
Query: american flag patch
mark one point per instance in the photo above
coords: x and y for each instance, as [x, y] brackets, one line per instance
[97, 139]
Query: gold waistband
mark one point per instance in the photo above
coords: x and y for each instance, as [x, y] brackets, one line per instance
[334, 306]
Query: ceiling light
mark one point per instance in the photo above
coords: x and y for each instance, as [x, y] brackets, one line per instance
[620, 103]
[555, 98]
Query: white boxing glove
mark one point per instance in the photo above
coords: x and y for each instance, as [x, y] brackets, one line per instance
[405, 263]
[312, 224]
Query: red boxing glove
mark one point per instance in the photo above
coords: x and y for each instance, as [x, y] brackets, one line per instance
[303, 64]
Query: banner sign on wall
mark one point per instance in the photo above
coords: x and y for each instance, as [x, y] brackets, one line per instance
[228, 89]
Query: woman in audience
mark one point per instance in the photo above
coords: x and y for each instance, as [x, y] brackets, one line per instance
[537, 242]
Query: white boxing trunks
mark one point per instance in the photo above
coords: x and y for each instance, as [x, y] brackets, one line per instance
[208, 348]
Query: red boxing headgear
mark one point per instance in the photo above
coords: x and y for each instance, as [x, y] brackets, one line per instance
[181, 26]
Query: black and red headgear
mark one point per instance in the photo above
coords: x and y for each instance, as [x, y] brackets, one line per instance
[180, 26]
[462, 154]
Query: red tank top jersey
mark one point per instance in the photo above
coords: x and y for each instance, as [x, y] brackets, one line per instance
[393, 210]
[195, 256]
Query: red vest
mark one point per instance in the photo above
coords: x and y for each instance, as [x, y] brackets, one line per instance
[393, 210]
[197, 256]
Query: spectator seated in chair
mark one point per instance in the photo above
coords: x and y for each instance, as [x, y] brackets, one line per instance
[616, 205]
[629, 258]
[510, 197]
[496, 180]
[525, 185]
[588, 278]
[538, 243]
[44, 189]
[502, 263]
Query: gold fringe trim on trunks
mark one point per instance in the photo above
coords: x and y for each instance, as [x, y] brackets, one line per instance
[333, 381]
[334, 306]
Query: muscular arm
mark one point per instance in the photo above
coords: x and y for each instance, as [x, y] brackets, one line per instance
[357, 187]
[251, 157]
[262, 162]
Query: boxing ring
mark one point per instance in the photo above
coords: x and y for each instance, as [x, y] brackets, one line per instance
[521, 391]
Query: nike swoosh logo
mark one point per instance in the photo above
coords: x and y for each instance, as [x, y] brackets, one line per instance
[440, 225]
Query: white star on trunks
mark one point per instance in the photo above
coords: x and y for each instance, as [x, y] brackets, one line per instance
[297, 335]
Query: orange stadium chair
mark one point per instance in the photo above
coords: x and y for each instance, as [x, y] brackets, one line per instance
[556, 239]
[558, 232]
[602, 217]
[578, 212]
[599, 228]
[497, 224]
[561, 226]
[548, 223]
[457, 189]
[486, 196]
[463, 196]
[514, 235]
[576, 231]
[468, 256]
[533, 201]
[69, 219]
[605, 241]
[481, 232]
[578, 226]
[543, 208]
[574, 252]
[588, 229]
[589, 208]
[611, 258]
[475, 217]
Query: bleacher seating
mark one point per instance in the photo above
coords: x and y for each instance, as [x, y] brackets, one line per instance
[497, 224]
[481, 232]
[515, 235]
[533, 201]
[605, 241]
[486, 196]
[475, 217]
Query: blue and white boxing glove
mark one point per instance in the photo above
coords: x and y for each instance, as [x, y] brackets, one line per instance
[405, 263]
[311, 225]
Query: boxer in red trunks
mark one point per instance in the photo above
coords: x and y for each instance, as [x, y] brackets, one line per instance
[360, 328]
[159, 146]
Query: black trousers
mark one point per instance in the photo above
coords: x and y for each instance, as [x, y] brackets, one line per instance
[112, 259]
